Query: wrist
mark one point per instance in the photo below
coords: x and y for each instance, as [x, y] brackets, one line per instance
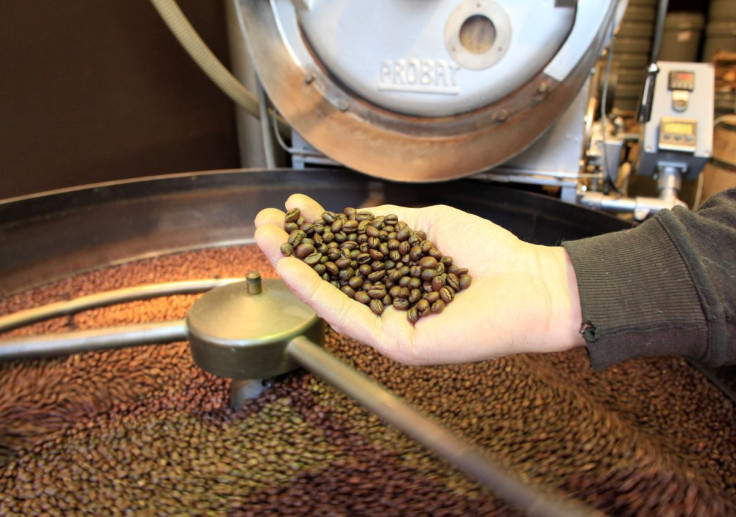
[565, 312]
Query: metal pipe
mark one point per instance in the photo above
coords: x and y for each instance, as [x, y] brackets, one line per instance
[269, 150]
[659, 30]
[141, 292]
[647, 95]
[466, 457]
[53, 345]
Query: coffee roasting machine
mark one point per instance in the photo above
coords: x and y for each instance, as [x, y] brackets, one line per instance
[401, 101]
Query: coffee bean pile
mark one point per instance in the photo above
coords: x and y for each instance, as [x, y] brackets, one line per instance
[144, 431]
[376, 260]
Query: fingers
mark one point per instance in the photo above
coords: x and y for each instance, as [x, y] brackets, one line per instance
[269, 238]
[270, 216]
[344, 314]
[309, 208]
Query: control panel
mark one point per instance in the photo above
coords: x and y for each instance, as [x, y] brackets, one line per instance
[677, 134]
[680, 83]
[680, 128]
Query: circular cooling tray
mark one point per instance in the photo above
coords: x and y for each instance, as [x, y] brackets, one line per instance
[52, 235]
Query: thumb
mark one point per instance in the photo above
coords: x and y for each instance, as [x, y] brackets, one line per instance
[341, 312]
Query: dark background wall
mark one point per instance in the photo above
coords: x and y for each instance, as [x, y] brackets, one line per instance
[93, 90]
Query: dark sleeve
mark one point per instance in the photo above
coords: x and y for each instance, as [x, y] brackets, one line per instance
[666, 287]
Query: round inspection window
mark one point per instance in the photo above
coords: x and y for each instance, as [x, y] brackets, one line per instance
[477, 34]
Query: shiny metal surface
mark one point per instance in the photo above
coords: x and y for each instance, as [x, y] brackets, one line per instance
[142, 292]
[54, 345]
[403, 147]
[239, 332]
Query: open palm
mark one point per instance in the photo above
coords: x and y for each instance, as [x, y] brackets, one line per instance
[519, 301]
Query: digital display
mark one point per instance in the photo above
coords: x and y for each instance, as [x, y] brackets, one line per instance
[679, 128]
[681, 80]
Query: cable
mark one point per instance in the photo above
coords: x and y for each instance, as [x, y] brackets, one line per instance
[207, 61]
[604, 95]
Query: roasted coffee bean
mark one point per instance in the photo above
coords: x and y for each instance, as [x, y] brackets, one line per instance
[376, 306]
[415, 295]
[401, 304]
[362, 297]
[303, 250]
[428, 274]
[348, 291]
[101, 433]
[377, 265]
[413, 314]
[465, 281]
[371, 231]
[314, 258]
[378, 255]
[336, 226]
[287, 249]
[437, 306]
[292, 215]
[319, 268]
[453, 281]
[343, 262]
[376, 291]
[346, 274]
[355, 282]
[428, 263]
[422, 306]
[296, 237]
[415, 253]
[447, 294]
[377, 276]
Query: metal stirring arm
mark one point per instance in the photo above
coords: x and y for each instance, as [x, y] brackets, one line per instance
[464, 456]
[55, 345]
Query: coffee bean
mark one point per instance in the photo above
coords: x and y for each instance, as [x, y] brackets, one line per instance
[428, 274]
[377, 292]
[362, 297]
[447, 294]
[303, 250]
[292, 215]
[376, 306]
[287, 249]
[115, 433]
[428, 263]
[314, 258]
[465, 281]
[380, 256]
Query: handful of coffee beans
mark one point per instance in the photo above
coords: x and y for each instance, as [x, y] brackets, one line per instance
[378, 261]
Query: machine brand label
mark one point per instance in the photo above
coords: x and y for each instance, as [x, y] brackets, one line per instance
[419, 76]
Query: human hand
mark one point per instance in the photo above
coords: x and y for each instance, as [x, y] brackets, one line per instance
[523, 297]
